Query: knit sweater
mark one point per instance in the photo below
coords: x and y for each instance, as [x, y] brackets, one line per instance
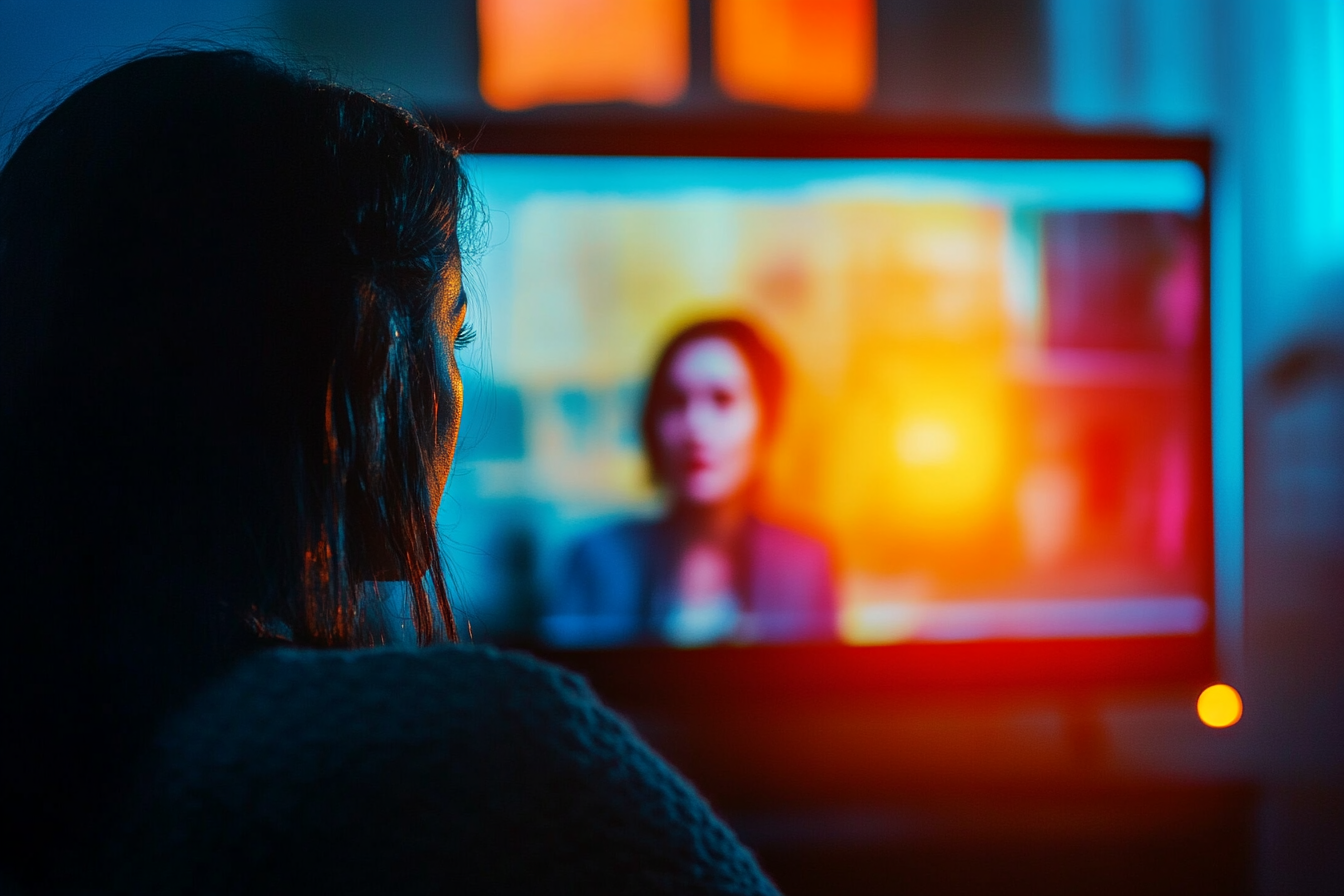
[449, 770]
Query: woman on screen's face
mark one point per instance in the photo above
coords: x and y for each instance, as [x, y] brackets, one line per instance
[709, 429]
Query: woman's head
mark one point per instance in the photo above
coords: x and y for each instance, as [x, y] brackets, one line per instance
[712, 406]
[228, 297]
[237, 288]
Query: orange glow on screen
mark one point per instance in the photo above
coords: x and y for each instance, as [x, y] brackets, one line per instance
[1219, 706]
[949, 449]
[804, 54]
[535, 52]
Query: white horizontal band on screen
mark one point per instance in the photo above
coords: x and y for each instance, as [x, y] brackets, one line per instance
[998, 619]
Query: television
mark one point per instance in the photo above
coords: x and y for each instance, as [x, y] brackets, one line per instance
[988, 452]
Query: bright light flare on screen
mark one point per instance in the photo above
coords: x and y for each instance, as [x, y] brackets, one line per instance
[1219, 706]
[925, 442]
[535, 52]
[804, 54]
[949, 449]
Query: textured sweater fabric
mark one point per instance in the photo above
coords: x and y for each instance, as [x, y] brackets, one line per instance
[449, 770]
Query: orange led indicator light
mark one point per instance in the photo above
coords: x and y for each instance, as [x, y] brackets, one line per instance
[1219, 706]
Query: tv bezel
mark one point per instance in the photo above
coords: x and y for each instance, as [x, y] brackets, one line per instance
[669, 676]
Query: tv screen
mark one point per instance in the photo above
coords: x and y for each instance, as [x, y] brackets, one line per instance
[725, 401]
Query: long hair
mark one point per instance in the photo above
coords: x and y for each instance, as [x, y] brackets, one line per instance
[222, 388]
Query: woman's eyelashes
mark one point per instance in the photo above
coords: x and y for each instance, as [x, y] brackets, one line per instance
[465, 336]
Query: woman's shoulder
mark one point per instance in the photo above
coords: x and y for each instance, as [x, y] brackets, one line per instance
[423, 676]
[277, 709]
[396, 764]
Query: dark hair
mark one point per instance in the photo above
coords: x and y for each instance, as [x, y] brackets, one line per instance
[763, 362]
[222, 388]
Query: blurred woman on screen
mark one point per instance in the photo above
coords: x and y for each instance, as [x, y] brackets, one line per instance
[230, 297]
[709, 571]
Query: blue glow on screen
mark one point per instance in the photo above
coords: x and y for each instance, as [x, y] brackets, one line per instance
[1063, 185]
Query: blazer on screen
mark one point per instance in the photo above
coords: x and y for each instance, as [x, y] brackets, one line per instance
[615, 587]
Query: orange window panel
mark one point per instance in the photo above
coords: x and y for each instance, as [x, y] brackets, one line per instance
[804, 54]
[535, 52]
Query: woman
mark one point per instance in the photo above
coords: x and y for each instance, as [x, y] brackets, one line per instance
[709, 570]
[229, 298]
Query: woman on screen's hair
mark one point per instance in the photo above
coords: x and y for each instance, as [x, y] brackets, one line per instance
[709, 570]
[230, 296]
